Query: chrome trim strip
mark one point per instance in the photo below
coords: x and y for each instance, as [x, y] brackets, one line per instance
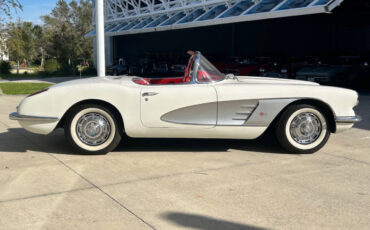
[248, 106]
[348, 119]
[267, 110]
[235, 112]
[246, 114]
[149, 94]
[18, 117]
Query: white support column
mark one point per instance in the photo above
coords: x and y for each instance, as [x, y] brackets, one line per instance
[100, 43]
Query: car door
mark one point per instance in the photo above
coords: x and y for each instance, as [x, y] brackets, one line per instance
[179, 106]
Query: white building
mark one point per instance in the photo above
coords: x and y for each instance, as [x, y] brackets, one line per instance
[3, 50]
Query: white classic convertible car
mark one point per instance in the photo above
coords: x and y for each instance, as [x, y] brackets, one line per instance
[204, 103]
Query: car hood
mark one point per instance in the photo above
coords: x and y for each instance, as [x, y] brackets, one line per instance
[266, 80]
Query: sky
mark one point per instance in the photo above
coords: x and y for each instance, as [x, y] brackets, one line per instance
[33, 9]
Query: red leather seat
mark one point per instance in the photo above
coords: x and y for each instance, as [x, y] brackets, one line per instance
[163, 81]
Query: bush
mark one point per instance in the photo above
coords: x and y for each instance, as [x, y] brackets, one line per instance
[91, 71]
[67, 69]
[5, 67]
[37, 69]
[51, 66]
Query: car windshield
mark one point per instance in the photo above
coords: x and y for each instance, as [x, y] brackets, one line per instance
[207, 72]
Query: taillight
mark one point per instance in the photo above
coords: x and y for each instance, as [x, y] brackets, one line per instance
[38, 92]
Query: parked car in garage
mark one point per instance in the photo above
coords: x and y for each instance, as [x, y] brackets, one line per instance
[297, 63]
[161, 68]
[274, 75]
[178, 68]
[237, 66]
[348, 72]
[326, 75]
[273, 67]
[118, 69]
[204, 103]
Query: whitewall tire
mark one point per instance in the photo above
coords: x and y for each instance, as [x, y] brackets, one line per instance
[302, 129]
[92, 129]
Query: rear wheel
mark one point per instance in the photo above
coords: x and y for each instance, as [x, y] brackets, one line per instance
[92, 129]
[302, 129]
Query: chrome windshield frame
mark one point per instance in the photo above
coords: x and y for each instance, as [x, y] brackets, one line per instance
[196, 66]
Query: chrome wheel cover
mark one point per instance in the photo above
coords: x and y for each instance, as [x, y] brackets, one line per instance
[93, 129]
[305, 128]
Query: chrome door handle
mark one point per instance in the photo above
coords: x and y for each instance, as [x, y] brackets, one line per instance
[149, 94]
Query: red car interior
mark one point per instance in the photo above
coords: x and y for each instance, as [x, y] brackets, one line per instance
[158, 81]
[141, 81]
[163, 81]
[203, 76]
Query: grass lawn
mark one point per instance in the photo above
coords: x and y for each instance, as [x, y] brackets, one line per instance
[22, 88]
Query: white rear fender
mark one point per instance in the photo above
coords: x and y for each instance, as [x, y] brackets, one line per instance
[57, 101]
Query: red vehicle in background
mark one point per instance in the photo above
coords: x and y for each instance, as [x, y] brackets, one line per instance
[237, 66]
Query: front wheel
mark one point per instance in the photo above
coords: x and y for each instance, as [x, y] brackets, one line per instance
[92, 129]
[302, 129]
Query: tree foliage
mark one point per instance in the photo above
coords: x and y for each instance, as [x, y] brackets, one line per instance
[66, 27]
[7, 5]
[61, 37]
[15, 42]
[5, 10]
[21, 42]
[41, 43]
[52, 66]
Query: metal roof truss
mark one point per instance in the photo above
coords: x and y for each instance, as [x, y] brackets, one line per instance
[140, 16]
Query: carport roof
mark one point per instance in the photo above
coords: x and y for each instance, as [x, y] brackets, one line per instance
[140, 16]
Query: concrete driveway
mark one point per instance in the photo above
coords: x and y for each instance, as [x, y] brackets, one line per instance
[183, 184]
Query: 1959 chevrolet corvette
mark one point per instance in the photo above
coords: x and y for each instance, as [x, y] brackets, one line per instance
[204, 103]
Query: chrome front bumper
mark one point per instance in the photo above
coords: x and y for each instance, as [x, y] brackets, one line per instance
[19, 117]
[348, 120]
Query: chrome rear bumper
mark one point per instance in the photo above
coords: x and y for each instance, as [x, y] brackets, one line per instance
[19, 117]
[348, 119]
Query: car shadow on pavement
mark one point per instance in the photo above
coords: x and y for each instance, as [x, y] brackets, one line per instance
[205, 223]
[19, 140]
[265, 144]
